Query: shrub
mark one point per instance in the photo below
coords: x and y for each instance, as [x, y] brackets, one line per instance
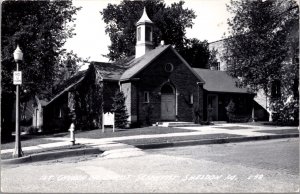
[234, 116]
[120, 110]
[285, 112]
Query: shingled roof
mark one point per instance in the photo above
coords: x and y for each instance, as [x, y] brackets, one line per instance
[219, 81]
[67, 85]
[110, 71]
[137, 64]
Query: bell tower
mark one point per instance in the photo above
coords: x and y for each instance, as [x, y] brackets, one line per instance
[144, 35]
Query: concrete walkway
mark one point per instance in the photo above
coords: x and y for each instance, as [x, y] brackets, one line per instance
[108, 144]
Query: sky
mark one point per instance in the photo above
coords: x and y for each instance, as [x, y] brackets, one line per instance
[91, 41]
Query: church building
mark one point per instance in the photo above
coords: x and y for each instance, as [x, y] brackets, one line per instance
[159, 85]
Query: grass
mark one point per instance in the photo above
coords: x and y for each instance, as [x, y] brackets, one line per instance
[97, 133]
[176, 139]
[233, 128]
[283, 131]
[33, 140]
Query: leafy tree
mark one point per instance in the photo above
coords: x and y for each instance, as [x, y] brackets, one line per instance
[120, 110]
[212, 61]
[40, 28]
[69, 64]
[170, 21]
[264, 36]
[196, 53]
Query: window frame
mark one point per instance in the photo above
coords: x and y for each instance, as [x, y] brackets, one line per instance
[191, 98]
[146, 97]
[168, 70]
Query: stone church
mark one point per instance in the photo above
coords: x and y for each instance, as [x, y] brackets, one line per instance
[159, 85]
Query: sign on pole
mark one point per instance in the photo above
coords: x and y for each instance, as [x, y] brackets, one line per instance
[17, 77]
[108, 119]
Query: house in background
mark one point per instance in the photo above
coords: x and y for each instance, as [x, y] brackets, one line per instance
[261, 100]
[158, 84]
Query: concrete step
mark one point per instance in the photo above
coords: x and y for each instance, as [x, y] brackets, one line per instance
[175, 124]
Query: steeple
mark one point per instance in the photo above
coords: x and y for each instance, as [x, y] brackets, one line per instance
[144, 35]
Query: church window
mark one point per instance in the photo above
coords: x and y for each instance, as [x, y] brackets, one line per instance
[167, 89]
[191, 99]
[275, 89]
[148, 33]
[169, 67]
[146, 97]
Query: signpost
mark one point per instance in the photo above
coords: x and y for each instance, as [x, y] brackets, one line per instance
[17, 77]
[108, 119]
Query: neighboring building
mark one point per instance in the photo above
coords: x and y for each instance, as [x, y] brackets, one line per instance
[159, 85]
[261, 110]
[261, 100]
[218, 48]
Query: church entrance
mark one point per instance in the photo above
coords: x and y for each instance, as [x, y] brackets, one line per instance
[168, 112]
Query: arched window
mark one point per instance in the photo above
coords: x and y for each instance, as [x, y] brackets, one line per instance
[167, 89]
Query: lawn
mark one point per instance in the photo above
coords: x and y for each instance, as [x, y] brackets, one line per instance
[281, 131]
[97, 133]
[33, 140]
[142, 141]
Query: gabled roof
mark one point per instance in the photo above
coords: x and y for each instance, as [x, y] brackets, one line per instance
[67, 85]
[219, 81]
[110, 71]
[138, 64]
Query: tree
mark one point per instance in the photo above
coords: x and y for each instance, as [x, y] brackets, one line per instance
[40, 28]
[212, 61]
[69, 64]
[196, 53]
[264, 36]
[170, 21]
[120, 110]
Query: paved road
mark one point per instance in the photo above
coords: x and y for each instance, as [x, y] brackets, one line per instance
[262, 166]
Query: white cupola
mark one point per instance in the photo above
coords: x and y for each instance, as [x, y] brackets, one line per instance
[144, 38]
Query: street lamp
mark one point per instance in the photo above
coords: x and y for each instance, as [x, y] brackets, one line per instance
[18, 56]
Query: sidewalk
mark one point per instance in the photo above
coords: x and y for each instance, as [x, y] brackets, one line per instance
[219, 133]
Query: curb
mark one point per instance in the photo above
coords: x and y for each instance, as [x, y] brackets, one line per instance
[52, 155]
[213, 141]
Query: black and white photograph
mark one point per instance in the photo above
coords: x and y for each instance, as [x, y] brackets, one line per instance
[150, 96]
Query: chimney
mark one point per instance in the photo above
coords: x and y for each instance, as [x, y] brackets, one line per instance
[162, 42]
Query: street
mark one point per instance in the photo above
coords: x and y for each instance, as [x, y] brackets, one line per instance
[258, 166]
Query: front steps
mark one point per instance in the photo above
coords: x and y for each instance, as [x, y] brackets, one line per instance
[175, 124]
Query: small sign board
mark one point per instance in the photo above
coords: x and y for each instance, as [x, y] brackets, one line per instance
[17, 77]
[108, 119]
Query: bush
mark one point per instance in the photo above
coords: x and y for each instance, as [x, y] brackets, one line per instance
[197, 115]
[120, 110]
[148, 109]
[285, 113]
[234, 116]
[29, 130]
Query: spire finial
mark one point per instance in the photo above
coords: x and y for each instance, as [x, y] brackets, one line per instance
[144, 18]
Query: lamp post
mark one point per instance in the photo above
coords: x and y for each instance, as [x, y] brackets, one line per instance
[18, 56]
